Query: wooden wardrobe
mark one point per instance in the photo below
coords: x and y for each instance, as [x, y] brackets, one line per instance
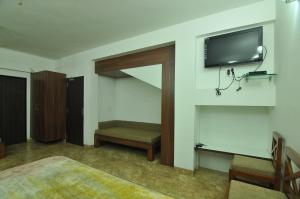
[48, 106]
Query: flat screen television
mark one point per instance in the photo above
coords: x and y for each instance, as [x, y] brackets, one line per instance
[235, 48]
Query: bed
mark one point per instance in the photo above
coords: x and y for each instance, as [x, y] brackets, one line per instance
[135, 134]
[63, 178]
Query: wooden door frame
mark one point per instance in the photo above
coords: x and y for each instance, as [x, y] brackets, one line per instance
[166, 57]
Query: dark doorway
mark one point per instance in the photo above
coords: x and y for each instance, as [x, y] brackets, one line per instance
[12, 109]
[75, 110]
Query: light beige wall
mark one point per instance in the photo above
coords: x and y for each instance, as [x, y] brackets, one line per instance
[137, 101]
[286, 115]
[128, 99]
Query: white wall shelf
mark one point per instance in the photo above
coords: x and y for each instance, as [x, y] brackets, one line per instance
[247, 151]
[263, 76]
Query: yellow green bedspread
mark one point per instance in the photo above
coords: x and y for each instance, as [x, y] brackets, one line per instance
[60, 177]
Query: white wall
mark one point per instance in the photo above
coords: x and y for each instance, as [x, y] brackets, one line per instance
[287, 37]
[149, 74]
[14, 60]
[214, 161]
[22, 61]
[106, 99]
[185, 36]
[137, 101]
[128, 99]
[234, 129]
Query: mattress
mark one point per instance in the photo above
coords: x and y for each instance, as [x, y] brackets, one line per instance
[140, 135]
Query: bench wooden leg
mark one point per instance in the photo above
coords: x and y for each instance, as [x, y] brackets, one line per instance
[276, 184]
[150, 154]
[231, 175]
[97, 142]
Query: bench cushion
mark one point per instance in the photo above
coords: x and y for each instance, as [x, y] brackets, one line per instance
[252, 165]
[133, 134]
[240, 190]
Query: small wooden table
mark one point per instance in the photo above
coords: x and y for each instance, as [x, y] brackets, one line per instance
[2, 150]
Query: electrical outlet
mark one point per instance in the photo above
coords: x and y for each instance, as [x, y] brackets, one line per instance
[228, 72]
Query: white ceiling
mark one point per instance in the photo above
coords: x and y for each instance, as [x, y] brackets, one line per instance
[56, 28]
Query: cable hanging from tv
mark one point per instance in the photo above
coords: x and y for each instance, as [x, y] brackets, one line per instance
[242, 77]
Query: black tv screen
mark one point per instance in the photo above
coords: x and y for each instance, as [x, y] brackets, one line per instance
[234, 48]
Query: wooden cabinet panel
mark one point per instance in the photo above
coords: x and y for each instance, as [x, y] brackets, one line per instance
[48, 110]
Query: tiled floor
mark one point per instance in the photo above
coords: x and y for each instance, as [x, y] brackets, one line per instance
[126, 163]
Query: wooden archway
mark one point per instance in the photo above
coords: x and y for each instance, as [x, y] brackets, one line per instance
[166, 57]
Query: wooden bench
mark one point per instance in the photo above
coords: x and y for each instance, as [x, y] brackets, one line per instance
[263, 172]
[135, 134]
[238, 190]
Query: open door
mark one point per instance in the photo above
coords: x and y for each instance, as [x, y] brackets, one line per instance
[75, 110]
